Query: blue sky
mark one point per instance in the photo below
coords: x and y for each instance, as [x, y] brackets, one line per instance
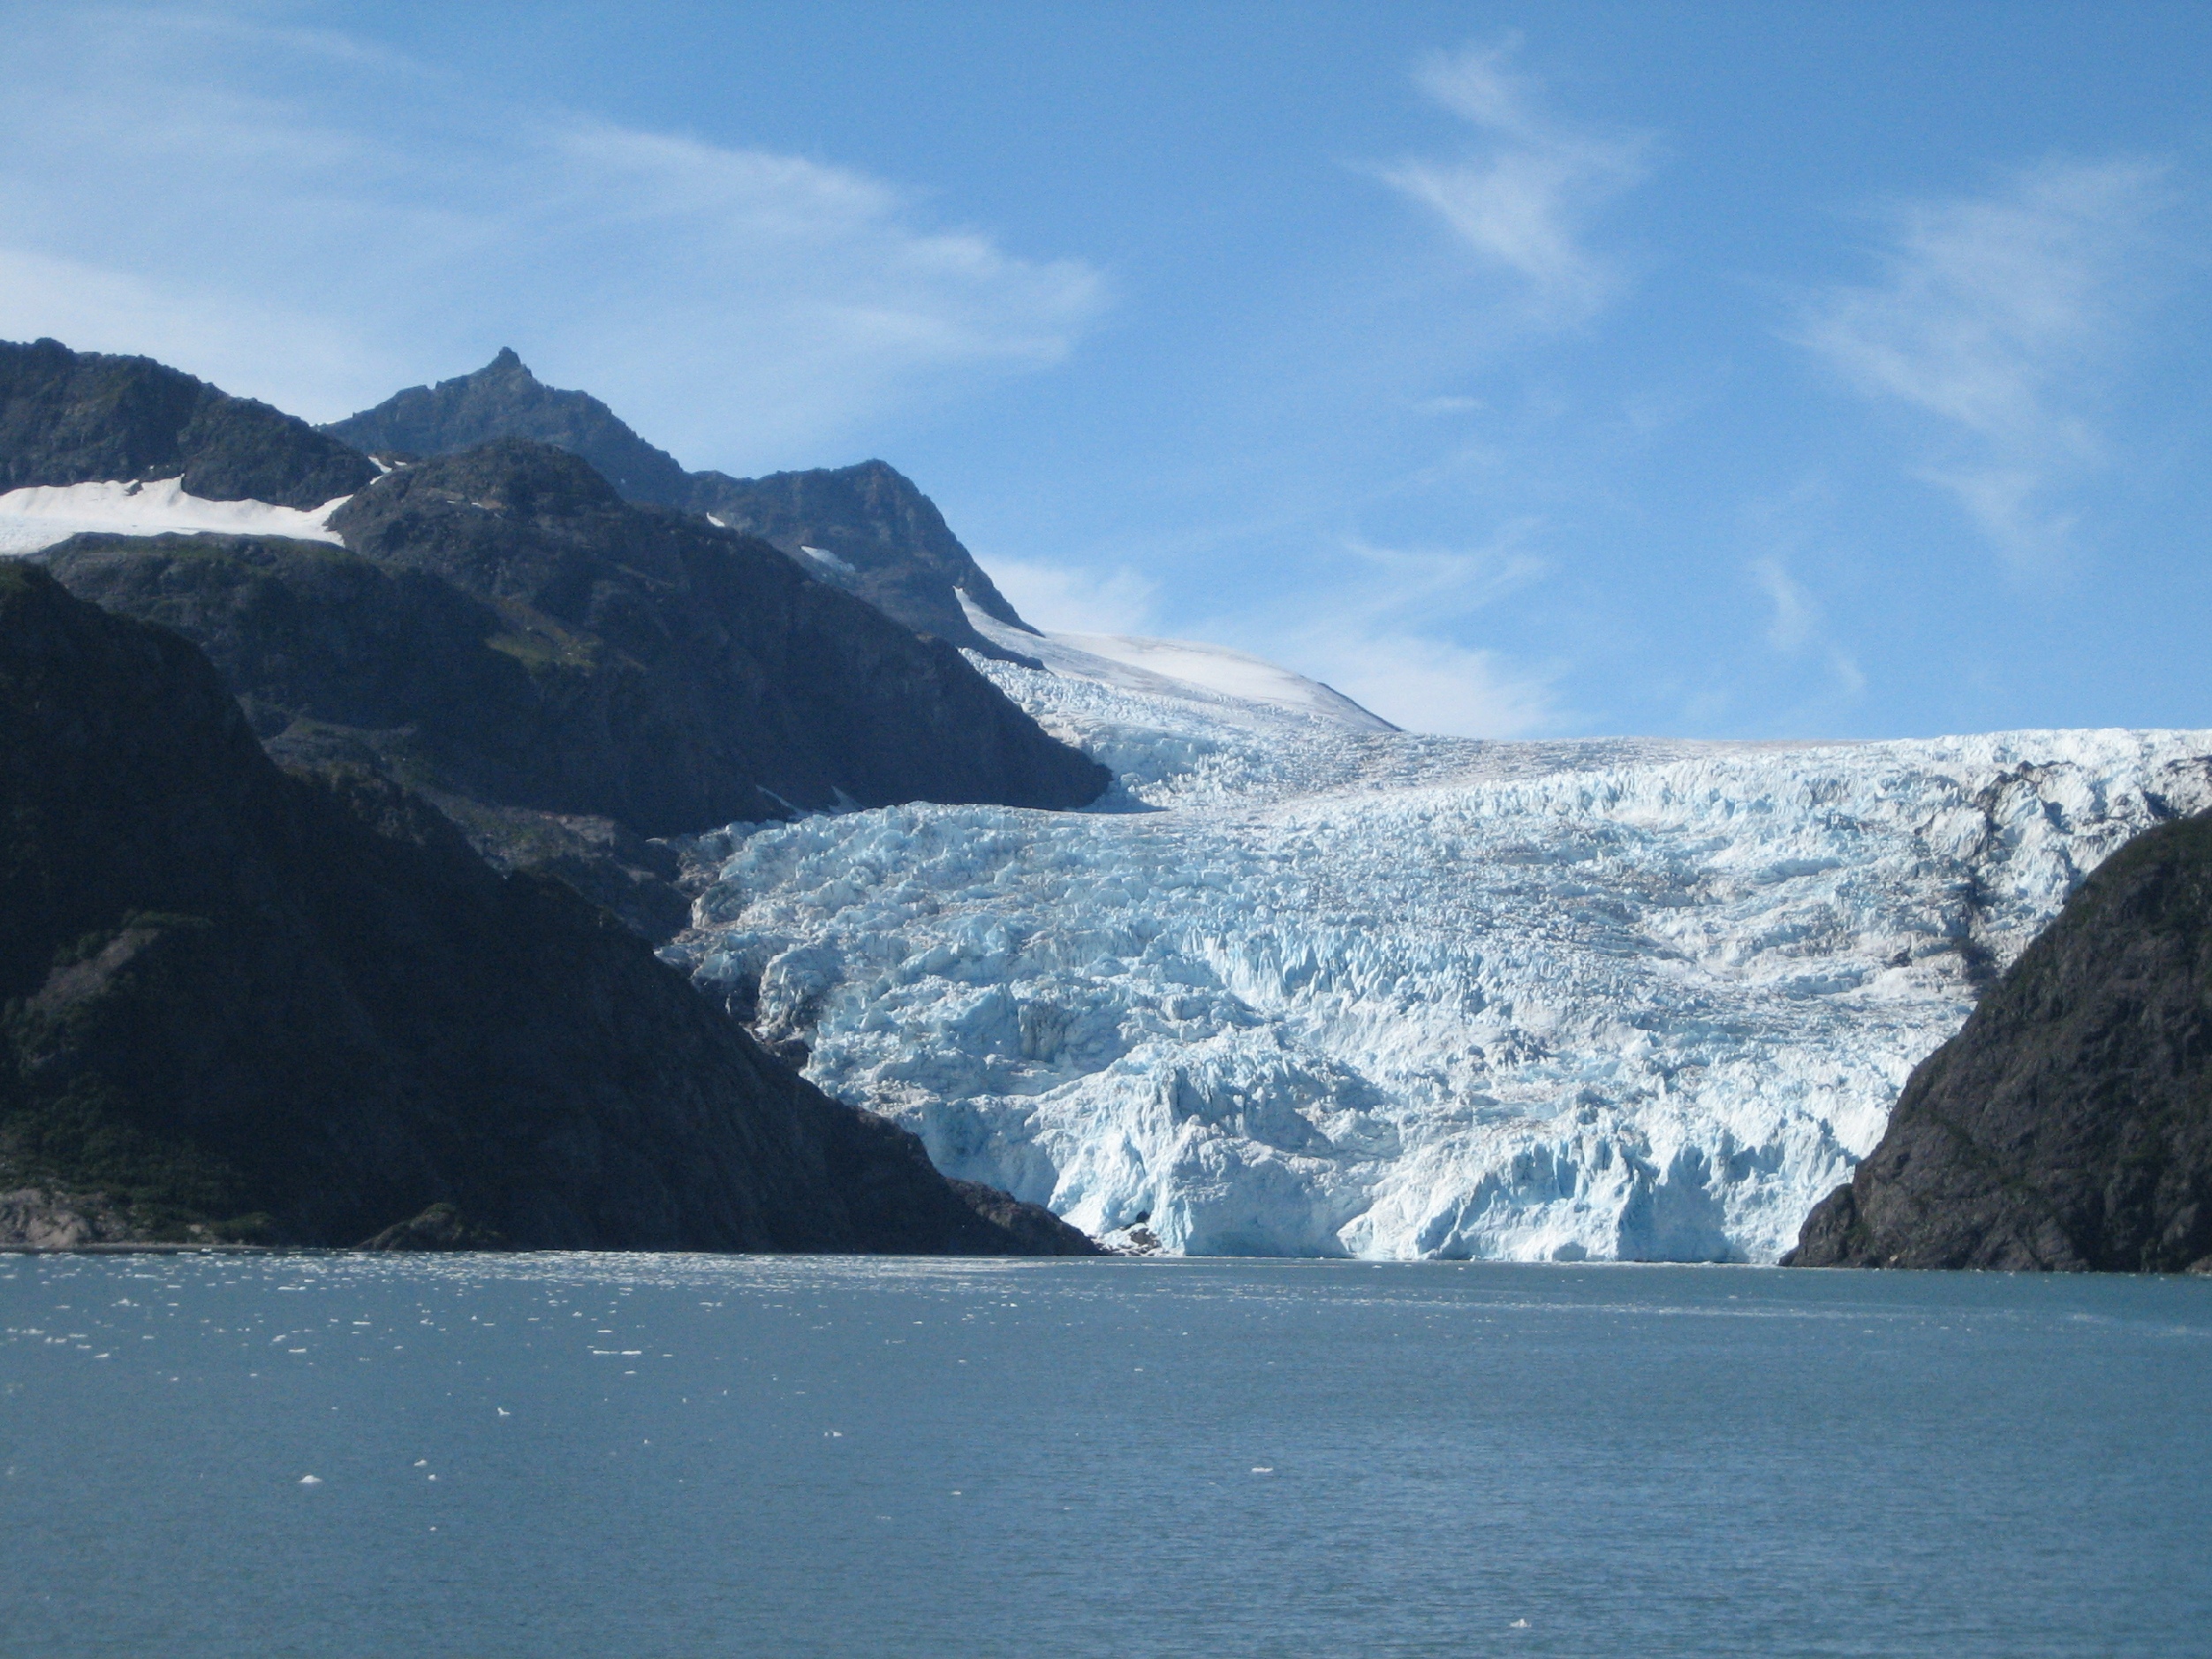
[1717, 370]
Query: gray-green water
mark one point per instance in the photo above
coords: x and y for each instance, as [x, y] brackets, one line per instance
[642, 1456]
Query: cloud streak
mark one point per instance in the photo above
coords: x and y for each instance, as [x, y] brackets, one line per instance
[1995, 319]
[1379, 630]
[1522, 198]
[1384, 636]
[1070, 599]
[166, 186]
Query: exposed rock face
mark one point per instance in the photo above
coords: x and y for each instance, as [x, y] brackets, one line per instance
[42, 1220]
[238, 1004]
[803, 690]
[2069, 1124]
[885, 540]
[80, 417]
[1044, 1232]
[509, 637]
[440, 1227]
[503, 400]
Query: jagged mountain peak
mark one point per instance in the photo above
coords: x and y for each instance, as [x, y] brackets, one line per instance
[635, 664]
[504, 399]
[885, 540]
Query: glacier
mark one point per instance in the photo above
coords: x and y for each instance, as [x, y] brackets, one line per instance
[1302, 987]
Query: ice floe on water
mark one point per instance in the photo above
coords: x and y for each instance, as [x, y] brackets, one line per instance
[43, 515]
[1301, 987]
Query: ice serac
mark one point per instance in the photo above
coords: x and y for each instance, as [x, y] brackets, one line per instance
[1318, 990]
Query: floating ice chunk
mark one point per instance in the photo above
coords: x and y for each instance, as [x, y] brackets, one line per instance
[311, 1479]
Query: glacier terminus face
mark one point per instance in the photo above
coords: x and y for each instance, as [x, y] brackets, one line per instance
[1302, 988]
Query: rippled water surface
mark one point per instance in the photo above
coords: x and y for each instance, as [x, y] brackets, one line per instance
[691, 1456]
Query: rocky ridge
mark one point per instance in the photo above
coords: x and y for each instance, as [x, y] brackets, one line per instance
[568, 674]
[865, 528]
[2068, 1124]
[240, 1003]
[84, 417]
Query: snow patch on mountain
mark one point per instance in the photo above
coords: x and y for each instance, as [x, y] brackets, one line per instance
[45, 515]
[1299, 988]
[1227, 680]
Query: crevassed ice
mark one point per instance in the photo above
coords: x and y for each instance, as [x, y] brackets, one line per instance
[1303, 989]
[44, 515]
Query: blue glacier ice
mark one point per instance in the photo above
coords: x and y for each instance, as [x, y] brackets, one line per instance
[1302, 985]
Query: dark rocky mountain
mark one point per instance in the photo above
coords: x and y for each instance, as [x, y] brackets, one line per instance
[503, 400]
[2069, 1124]
[237, 1003]
[886, 541]
[80, 417]
[507, 635]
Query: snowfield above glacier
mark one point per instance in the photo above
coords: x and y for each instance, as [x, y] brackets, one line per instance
[41, 516]
[1299, 988]
[1228, 682]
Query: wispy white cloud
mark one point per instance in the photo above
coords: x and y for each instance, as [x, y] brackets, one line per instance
[1380, 628]
[1072, 599]
[1793, 530]
[1443, 583]
[1389, 632]
[317, 222]
[1794, 613]
[1522, 198]
[1995, 317]
[1795, 628]
[1427, 683]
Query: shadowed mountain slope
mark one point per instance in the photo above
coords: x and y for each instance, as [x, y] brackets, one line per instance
[885, 540]
[239, 1003]
[82, 417]
[503, 400]
[503, 627]
[867, 529]
[2069, 1124]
